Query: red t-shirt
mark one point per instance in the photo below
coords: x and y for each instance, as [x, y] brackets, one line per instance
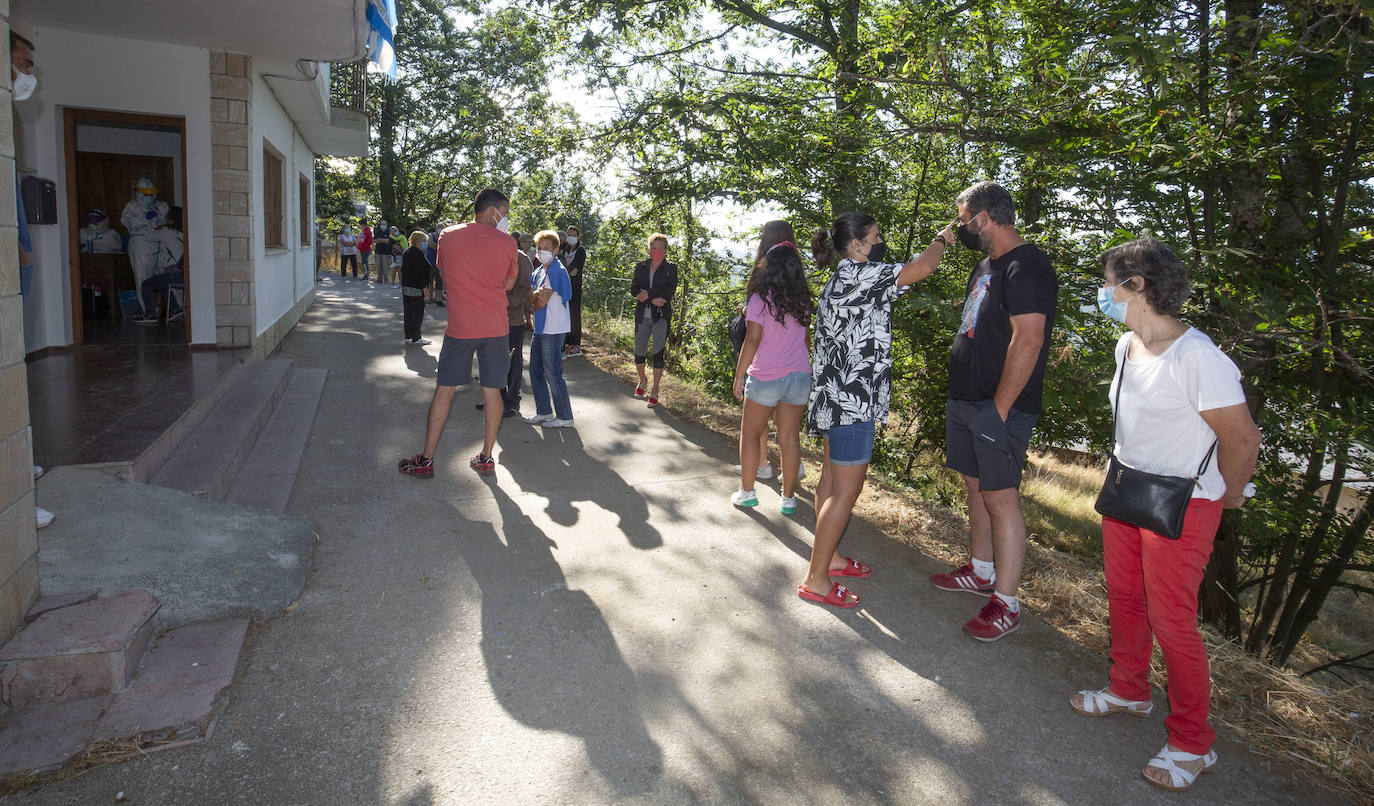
[365, 243]
[476, 261]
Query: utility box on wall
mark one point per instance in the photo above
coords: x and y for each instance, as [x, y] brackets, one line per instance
[40, 200]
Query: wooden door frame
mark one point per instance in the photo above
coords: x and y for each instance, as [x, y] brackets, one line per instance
[70, 117]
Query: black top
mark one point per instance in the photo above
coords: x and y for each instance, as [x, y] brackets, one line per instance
[664, 285]
[573, 261]
[1019, 282]
[415, 269]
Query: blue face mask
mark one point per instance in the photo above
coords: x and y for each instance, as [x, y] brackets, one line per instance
[1110, 307]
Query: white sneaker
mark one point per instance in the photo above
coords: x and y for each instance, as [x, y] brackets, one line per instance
[42, 516]
[538, 418]
[422, 341]
[556, 423]
[764, 472]
[744, 498]
[37, 472]
[789, 505]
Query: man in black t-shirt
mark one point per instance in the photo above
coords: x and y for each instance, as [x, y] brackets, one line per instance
[996, 370]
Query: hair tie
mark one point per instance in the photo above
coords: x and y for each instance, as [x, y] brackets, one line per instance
[780, 243]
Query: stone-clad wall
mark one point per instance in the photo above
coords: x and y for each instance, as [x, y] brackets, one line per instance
[18, 537]
[231, 125]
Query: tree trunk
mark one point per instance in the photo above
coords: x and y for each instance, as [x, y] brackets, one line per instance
[1219, 603]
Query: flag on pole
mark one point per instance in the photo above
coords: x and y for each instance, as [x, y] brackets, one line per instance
[381, 23]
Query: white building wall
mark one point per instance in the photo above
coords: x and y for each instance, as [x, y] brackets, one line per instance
[282, 275]
[97, 72]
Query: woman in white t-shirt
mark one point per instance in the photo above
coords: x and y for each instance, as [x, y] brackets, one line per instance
[1178, 394]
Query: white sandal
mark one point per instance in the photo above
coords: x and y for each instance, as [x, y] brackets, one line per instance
[1179, 778]
[1104, 703]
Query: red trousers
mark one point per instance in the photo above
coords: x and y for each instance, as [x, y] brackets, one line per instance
[1152, 586]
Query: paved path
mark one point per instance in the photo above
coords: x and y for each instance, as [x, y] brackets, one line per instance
[597, 624]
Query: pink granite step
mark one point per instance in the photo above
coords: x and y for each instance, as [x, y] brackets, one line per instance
[76, 652]
[170, 701]
[58, 601]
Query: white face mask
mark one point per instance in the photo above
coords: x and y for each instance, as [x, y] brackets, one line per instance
[24, 84]
[504, 223]
[572, 240]
[545, 257]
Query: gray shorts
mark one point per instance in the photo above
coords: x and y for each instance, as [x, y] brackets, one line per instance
[493, 361]
[979, 444]
[647, 332]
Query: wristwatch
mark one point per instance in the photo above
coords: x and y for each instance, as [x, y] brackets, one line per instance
[942, 239]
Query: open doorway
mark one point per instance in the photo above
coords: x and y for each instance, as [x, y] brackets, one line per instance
[119, 236]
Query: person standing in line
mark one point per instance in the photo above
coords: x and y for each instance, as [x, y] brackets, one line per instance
[773, 373]
[479, 267]
[1176, 397]
[773, 233]
[996, 371]
[365, 249]
[574, 259]
[348, 252]
[435, 291]
[381, 251]
[851, 381]
[653, 284]
[553, 408]
[517, 315]
[415, 272]
[398, 247]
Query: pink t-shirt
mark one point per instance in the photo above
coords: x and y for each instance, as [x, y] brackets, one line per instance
[783, 349]
[476, 260]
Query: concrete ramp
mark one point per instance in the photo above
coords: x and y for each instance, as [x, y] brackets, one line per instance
[203, 559]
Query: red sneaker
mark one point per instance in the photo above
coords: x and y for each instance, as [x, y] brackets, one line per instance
[653, 401]
[993, 621]
[639, 392]
[484, 465]
[962, 579]
[417, 466]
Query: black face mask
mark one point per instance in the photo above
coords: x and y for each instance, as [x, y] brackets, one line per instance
[877, 253]
[969, 239]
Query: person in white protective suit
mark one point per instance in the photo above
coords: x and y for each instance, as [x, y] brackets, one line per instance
[142, 215]
[97, 237]
[170, 248]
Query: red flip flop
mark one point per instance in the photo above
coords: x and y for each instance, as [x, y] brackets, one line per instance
[838, 596]
[853, 569]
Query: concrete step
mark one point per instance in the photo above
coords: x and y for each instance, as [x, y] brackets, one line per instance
[165, 446]
[76, 652]
[270, 472]
[207, 462]
[170, 701]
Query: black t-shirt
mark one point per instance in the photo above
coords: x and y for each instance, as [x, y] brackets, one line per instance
[1019, 282]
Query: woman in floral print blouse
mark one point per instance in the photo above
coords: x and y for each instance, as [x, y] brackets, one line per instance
[851, 372]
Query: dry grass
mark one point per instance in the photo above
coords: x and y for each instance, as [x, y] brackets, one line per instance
[1323, 728]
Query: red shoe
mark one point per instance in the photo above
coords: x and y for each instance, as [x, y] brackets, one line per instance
[853, 569]
[962, 579]
[653, 401]
[418, 466]
[484, 465]
[839, 596]
[639, 392]
[993, 621]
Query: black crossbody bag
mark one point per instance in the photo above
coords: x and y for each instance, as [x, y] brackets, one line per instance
[1147, 500]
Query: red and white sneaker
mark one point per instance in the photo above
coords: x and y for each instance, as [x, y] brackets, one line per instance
[993, 621]
[483, 464]
[418, 466]
[962, 579]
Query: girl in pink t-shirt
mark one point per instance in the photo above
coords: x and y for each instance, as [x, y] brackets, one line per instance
[773, 374]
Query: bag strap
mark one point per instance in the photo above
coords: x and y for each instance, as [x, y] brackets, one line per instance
[1116, 401]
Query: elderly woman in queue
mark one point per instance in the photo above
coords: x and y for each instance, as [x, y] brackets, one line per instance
[851, 379]
[1177, 395]
[653, 285]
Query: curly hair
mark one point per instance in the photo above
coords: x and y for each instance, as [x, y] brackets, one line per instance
[781, 283]
[1165, 276]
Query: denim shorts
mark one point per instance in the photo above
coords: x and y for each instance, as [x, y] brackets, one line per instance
[493, 361]
[794, 389]
[980, 445]
[851, 444]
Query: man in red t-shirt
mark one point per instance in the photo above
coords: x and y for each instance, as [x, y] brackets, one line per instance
[477, 261]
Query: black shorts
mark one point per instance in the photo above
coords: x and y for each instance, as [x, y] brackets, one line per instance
[493, 361]
[979, 444]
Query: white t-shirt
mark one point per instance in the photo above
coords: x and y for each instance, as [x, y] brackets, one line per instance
[1159, 428]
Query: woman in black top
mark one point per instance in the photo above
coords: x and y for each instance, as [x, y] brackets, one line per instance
[653, 284]
[574, 258]
[415, 275]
